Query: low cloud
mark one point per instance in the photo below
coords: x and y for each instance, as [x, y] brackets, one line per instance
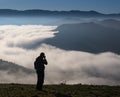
[81, 67]
[69, 66]
[24, 36]
[6, 77]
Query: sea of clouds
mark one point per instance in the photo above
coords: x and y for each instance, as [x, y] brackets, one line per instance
[21, 44]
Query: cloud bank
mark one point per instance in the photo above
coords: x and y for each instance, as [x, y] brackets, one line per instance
[18, 41]
[22, 44]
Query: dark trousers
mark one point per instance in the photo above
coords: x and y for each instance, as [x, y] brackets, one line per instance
[40, 79]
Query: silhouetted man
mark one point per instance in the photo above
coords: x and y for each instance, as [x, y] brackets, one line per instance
[39, 66]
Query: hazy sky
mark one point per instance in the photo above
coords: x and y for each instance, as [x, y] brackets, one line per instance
[105, 6]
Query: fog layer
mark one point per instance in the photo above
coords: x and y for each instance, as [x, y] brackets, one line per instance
[22, 44]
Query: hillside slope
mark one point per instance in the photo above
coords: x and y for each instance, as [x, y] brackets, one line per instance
[13, 68]
[89, 37]
[13, 73]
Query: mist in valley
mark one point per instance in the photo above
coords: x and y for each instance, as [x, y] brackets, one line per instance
[83, 54]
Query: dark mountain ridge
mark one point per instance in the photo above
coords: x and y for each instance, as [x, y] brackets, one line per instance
[89, 37]
[38, 12]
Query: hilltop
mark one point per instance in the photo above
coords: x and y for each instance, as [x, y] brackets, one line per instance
[22, 90]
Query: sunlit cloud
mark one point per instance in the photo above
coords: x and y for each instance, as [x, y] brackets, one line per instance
[25, 35]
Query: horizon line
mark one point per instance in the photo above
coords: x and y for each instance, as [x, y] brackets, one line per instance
[58, 10]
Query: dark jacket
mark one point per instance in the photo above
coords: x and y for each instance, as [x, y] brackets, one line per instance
[39, 63]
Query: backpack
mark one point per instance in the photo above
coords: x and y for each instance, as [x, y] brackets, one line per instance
[36, 64]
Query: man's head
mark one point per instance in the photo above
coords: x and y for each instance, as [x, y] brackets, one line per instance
[42, 54]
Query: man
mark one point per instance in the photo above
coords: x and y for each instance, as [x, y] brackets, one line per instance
[39, 65]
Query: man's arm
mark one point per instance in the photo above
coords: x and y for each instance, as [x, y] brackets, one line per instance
[45, 62]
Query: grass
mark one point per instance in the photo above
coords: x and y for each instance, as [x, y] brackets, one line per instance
[21, 90]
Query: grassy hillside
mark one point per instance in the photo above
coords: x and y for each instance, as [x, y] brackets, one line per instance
[18, 90]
